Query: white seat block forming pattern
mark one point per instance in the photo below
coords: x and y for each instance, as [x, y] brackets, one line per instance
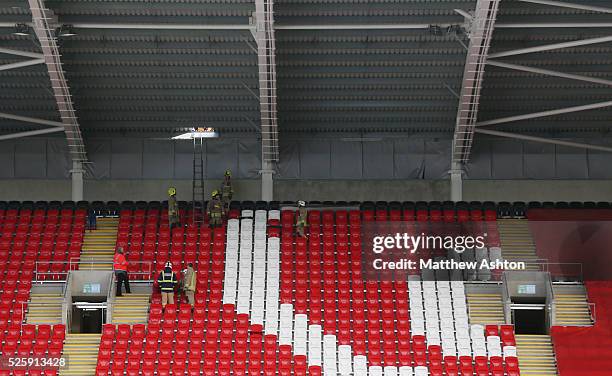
[360, 365]
[285, 336]
[330, 355]
[345, 366]
[314, 345]
[300, 335]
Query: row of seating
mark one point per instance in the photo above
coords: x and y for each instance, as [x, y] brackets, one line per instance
[587, 350]
[180, 339]
[32, 241]
[150, 243]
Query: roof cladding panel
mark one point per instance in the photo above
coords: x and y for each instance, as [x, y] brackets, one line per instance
[156, 79]
[339, 76]
[371, 80]
[360, 79]
[509, 92]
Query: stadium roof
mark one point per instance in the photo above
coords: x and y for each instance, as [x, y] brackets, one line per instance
[341, 65]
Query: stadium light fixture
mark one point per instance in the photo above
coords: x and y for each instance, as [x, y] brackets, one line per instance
[195, 133]
[66, 31]
[21, 29]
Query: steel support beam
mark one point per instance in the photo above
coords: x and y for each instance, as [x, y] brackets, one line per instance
[31, 133]
[521, 25]
[549, 72]
[535, 115]
[481, 32]
[77, 173]
[32, 120]
[263, 32]
[456, 180]
[554, 46]
[44, 26]
[591, 8]
[544, 140]
[21, 64]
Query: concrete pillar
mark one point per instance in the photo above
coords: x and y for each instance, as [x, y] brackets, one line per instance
[267, 183]
[456, 182]
[77, 181]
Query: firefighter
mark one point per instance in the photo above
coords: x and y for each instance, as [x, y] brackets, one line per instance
[226, 190]
[120, 266]
[167, 282]
[301, 221]
[215, 209]
[173, 211]
[189, 283]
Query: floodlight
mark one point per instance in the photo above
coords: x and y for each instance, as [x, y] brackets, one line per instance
[195, 133]
[66, 31]
[21, 29]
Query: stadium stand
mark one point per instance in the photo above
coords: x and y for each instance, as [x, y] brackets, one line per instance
[273, 303]
[39, 242]
[251, 299]
[587, 350]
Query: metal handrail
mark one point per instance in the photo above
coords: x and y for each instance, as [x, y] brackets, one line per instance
[145, 273]
[38, 273]
[593, 312]
[110, 298]
[545, 267]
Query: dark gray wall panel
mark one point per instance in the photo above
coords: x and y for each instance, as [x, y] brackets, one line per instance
[315, 159]
[126, 158]
[222, 154]
[479, 165]
[99, 154]
[571, 163]
[346, 159]
[507, 159]
[538, 160]
[58, 160]
[600, 162]
[408, 158]
[289, 163]
[157, 159]
[183, 159]
[249, 159]
[437, 159]
[7, 159]
[378, 159]
[31, 158]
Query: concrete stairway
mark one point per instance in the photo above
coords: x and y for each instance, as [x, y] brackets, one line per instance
[81, 351]
[516, 242]
[45, 308]
[485, 307]
[536, 355]
[132, 308]
[99, 245]
[571, 306]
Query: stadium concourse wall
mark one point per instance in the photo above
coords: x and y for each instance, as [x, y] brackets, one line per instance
[335, 190]
[312, 167]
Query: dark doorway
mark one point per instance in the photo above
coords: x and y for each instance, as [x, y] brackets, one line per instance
[88, 317]
[529, 321]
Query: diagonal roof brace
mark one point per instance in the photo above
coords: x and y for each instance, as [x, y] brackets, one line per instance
[562, 4]
[534, 115]
[44, 23]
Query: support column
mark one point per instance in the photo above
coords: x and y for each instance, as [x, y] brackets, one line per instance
[267, 183]
[456, 182]
[77, 181]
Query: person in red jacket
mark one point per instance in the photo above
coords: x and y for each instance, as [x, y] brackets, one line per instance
[120, 266]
